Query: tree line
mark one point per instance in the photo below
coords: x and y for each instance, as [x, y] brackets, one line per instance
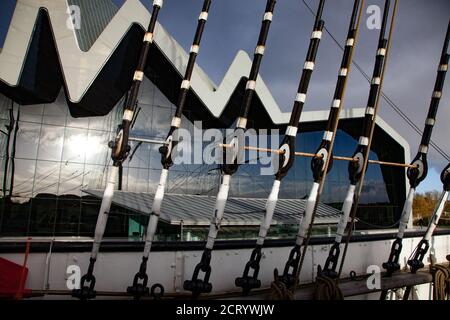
[424, 205]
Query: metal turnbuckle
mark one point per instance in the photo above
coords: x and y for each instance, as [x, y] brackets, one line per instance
[86, 292]
[416, 263]
[139, 288]
[329, 269]
[392, 264]
[290, 269]
[198, 286]
[246, 282]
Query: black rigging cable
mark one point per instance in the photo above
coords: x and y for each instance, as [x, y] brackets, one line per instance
[417, 174]
[322, 161]
[120, 150]
[139, 286]
[232, 161]
[249, 279]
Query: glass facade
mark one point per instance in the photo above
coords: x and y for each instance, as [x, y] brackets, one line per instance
[48, 158]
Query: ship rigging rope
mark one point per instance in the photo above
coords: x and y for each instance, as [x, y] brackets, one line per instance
[364, 167]
[386, 98]
[325, 170]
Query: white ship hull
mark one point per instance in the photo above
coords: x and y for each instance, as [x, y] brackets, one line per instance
[115, 270]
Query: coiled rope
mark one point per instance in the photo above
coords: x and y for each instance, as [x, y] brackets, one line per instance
[441, 281]
[278, 290]
[327, 289]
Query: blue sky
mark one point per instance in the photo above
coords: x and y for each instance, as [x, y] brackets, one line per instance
[410, 75]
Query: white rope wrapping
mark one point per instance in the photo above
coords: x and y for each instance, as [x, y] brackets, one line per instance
[423, 149]
[363, 141]
[128, 115]
[316, 35]
[291, 131]
[156, 211]
[346, 208]
[158, 3]
[251, 85]
[148, 37]
[437, 94]
[270, 209]
[194, 48]
[268, 16]
[370, 110]
[242, 123]
[176, 122]
[203, 16]
[328, 135]
[336, 103]
[406, 212]
[104, 210]
[430, 122]
[306, 220]
[343, 72]
[260, 50]
[300, 97]
[221, 201]
[443, 67]
[309, 65]
[376, 80]
[381, 52]
[185, 84]
[138, 75]
[436, 215]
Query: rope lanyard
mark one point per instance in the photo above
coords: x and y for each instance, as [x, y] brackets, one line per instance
[119, 153]
[291, 268]
[418, 174]
[286, 158]
[139, 287]
[233, 158]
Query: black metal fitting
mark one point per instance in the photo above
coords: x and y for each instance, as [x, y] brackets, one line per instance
[157, 295]
[119, 147]
[86, 292]
[246, 282]
[139, 288]
[329, 269]
[445, 177]
[166, 150]
[291, 266]
[318, 162]
[283, 169]
[417, 174]
[199, 286]
[355, 169]
[231, 165]
[392, 264]
[416, 262]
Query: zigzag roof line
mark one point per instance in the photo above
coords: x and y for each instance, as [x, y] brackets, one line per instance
[81, 68]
